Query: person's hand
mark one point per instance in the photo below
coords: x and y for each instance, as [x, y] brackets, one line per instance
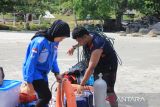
[30, 87]
[59, 78]
[80, 89]
[70, 51]
[64, 73]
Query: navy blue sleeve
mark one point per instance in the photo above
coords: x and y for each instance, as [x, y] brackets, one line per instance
[98, 43]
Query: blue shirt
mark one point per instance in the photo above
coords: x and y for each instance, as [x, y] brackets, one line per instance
[41, 58]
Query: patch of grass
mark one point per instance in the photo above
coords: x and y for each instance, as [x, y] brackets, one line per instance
[10, 27]
[8, 16]
[36, 27]
[68, 19]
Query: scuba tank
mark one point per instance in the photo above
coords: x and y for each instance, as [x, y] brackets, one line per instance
[100, 88]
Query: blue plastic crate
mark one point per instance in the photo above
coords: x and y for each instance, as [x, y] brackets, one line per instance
[9, 84]
[9, 93]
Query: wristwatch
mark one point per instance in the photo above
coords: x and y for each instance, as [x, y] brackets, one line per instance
[56, 73]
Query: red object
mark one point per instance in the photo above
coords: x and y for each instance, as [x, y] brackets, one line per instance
[71, 78]
[27, 94]
[25, 98]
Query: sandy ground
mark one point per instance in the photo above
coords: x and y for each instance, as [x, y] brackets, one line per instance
[139, 72]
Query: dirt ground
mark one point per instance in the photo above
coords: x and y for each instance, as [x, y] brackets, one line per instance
[139, 72]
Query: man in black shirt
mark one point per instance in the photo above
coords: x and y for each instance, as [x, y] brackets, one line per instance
[101, 58]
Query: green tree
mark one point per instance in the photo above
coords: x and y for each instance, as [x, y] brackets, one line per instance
[97, 9]
[66, 7]
[6, 6]
[119, 7]
[151, 7]
[37, 7]
[103, 9]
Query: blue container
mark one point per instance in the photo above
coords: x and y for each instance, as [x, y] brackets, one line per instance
[84, 100]
[9, 84]
[90, 81]
[9, 93]
[30, 104]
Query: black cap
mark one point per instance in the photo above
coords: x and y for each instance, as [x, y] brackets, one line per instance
[59, 28]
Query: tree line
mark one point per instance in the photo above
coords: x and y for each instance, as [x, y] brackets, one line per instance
[97, 9]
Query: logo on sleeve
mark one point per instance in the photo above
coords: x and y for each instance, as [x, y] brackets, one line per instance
[34, 50]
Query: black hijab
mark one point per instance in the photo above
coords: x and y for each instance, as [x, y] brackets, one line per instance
[59, 28]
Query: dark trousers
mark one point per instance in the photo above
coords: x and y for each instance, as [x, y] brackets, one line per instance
[44, 94]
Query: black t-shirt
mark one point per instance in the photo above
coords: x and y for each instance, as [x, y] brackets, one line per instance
[108, 59]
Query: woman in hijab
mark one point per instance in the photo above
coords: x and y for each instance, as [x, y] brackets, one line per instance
[41, 58]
